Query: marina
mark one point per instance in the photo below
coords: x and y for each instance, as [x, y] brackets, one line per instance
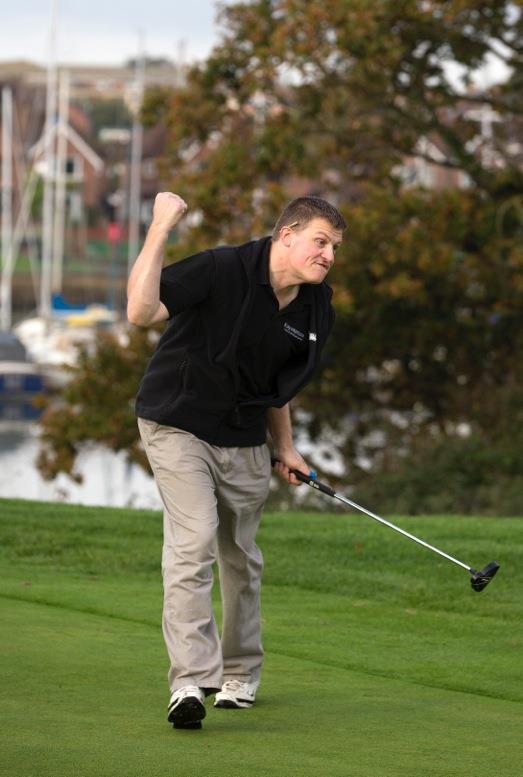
[68, 235]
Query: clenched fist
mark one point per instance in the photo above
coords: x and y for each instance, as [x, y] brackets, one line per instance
[168, 209]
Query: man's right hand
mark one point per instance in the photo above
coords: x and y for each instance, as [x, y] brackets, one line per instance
[168, 209]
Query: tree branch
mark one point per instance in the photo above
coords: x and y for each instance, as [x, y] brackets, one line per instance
[439, 162]
[491, 101]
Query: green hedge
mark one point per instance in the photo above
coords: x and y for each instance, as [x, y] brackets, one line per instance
[453, 476]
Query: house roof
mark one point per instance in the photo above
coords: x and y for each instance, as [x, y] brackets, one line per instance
[76, 140]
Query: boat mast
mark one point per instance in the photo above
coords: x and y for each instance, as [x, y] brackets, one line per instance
[49, 171]
[7, 209]
[136, 156]
[61, 175]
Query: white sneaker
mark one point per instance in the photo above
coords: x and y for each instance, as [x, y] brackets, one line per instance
[236, 695]
[186, 709]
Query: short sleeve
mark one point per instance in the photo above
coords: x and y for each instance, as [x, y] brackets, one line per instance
[186, 283]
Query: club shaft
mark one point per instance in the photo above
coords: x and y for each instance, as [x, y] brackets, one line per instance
[401, 531]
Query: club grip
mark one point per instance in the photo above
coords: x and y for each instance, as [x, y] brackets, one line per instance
[310, 481]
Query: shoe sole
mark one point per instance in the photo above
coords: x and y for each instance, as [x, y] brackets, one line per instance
[186, 726]
[189, 713]
[231, 705]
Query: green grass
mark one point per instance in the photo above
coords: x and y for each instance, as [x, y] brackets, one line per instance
[380, 659]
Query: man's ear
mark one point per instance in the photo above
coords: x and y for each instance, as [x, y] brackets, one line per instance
[287, 236]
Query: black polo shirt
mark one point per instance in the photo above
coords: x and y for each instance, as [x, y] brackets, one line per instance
[228, 353]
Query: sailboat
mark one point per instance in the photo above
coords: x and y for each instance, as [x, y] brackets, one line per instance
[20, 381]
[52, 337]
[20, 378]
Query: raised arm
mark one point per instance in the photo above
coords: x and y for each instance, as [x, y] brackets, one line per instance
[143, 288]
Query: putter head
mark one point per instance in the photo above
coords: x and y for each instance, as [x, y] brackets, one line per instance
[480, 579]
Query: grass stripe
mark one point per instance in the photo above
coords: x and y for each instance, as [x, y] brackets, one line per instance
[380, 660]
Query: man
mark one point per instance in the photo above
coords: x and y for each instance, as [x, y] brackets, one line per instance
[247, 325]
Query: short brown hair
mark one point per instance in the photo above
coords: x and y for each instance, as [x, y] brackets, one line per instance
[299, 212]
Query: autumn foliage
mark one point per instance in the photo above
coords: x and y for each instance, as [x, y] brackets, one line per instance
[97, 404]
[331, 98]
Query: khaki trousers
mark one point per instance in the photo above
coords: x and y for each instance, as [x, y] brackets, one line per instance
[213, 497]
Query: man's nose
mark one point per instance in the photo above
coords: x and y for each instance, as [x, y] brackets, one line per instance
[328, 254]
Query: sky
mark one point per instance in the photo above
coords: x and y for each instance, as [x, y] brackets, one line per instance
[105, 32]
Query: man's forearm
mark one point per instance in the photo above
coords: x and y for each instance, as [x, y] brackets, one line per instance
[143, 287]
[280, 427]
[288, 458]
[143, 290]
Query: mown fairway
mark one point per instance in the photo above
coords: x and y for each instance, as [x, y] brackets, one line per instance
[380, 659]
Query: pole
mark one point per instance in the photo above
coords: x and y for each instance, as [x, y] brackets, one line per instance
[23, 225]
[59, 212]
[7, 209]
[49, 172]
[136, 158]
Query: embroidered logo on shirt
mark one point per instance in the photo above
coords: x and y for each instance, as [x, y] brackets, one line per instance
[293, 332]
[312, 336]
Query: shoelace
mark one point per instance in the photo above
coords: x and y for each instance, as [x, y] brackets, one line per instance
[188, 690]
[235, 685]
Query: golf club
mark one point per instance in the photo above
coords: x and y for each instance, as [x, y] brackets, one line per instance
[479, 578]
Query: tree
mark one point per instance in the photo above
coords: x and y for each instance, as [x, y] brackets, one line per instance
[108, 112]
[97, 404]
[332, 97]
[339, 91]
[429, 332]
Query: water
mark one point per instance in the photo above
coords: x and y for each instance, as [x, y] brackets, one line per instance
[107, 479]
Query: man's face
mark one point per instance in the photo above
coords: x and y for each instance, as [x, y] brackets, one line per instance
[312, 249]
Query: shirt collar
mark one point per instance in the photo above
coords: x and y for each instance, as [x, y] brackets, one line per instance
[262, 268]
